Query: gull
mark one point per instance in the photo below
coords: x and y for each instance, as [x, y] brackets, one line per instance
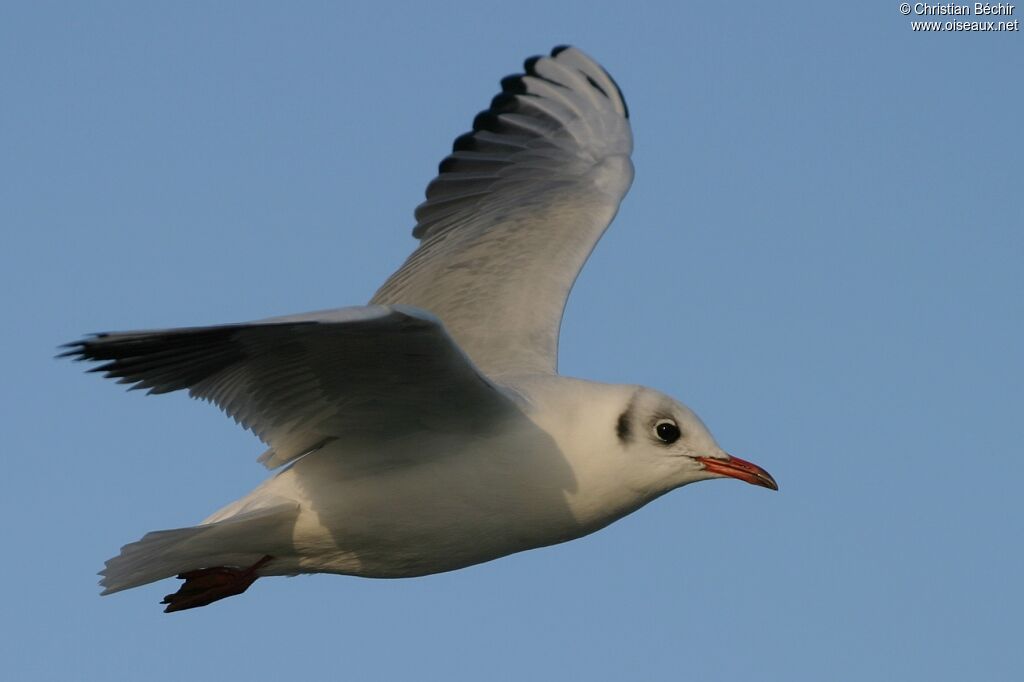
[429, 430]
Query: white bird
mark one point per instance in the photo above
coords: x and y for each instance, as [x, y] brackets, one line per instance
[429, 430]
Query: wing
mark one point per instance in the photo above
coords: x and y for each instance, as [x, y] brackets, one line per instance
[515, 211]
[300, 381]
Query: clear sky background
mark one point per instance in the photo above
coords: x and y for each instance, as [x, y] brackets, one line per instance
[821, 254]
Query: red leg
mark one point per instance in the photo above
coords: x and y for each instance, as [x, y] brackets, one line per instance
[206, 585]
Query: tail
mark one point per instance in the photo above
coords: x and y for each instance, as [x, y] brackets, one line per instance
[240, 540]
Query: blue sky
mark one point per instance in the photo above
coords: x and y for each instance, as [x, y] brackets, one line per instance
[821, 254]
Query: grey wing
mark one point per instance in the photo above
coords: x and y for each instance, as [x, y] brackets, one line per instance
[300, 381]
[516, 210]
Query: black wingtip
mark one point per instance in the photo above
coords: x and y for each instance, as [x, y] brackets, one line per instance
[513, 84]
[487, 120]
[503, 102]
[77, 350]
[513, 89]
[74, 350]
[464, 143]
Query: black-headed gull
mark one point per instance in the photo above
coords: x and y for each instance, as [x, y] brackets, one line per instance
[429, 430]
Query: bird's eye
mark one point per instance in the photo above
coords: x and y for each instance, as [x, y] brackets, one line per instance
[667, 431]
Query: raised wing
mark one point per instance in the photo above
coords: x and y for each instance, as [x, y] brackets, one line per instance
[300, 381]
[515, 211]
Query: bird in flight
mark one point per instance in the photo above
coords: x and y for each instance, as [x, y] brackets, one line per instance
[429, 430]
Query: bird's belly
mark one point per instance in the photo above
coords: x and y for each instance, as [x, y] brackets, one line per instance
[416, 519]
[406, 546]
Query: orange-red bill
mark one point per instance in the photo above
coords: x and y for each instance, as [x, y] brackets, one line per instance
[734, 467]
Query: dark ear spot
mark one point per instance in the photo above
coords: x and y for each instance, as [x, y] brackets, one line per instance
[622, 427]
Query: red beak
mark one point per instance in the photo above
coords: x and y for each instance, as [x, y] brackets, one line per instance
[734, 467]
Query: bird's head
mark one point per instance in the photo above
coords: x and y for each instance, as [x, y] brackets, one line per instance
[671, 442]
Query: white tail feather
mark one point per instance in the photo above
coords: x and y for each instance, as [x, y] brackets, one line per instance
[236, 541]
